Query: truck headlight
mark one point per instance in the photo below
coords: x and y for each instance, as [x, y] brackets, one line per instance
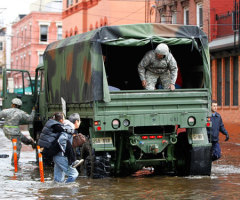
[115, 123]
[191, 121]
[126, 122]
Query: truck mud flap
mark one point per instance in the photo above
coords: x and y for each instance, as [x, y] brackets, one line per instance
[200, 160]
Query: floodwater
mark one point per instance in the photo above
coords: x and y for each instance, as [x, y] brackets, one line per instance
[224, 183]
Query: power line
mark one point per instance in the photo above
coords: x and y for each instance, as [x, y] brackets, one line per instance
[78, 3]
[37, 38]
[108, 17]
[45, 6]
[127, 15]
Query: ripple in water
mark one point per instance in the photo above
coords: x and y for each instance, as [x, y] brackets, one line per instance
[225, 169]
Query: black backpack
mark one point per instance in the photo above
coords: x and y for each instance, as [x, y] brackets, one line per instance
[53, 149]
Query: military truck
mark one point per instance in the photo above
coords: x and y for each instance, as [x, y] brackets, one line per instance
[127, 128]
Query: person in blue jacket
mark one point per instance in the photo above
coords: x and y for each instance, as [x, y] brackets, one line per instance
[213, 132]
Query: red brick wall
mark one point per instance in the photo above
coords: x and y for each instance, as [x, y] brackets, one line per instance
[206, 17]
[218, 7]
[230, 114]
[221, 6]
[192, 6]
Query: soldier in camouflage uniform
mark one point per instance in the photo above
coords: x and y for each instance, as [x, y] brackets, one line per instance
[12, 117]
[158, 63]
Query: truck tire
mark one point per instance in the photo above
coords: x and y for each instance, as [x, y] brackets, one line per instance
[182, 153]
[192, 160]
[96, 164]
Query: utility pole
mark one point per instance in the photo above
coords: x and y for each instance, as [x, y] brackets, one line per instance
[40, 6]
[147, 10]
[1, 16]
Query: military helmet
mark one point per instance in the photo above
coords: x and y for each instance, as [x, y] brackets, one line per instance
[162, 49]
[17, 101]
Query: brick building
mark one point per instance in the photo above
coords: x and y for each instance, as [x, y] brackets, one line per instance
[2, 53]
[187, 12]
[2, 48]
[85, 15]
[30, 37]
[215, 18]
[224, 49]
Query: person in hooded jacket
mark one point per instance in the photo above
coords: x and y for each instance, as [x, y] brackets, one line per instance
[51, 131]
[61, 162]
[158, 63]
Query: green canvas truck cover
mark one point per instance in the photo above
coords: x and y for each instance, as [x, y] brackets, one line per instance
[75, 66]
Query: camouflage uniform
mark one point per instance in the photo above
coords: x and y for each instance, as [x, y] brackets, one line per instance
[151, 68]
[11, 129]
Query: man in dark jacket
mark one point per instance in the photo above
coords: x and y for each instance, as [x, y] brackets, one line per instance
[51, 131]
[213, 132]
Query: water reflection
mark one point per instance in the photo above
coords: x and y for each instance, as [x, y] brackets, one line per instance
[218, 186]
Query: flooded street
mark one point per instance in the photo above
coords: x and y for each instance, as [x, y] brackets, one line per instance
[224, 183]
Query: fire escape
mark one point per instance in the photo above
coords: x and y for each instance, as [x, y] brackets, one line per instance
[167, 10]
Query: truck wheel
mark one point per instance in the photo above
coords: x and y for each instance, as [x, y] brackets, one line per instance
[192, 160]
[96, 164]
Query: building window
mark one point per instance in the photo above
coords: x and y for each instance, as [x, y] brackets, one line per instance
[75, 30]
[40, 58]
[30, 33]
[43, 33]
[199, 15]
[25, 35]
[22, 38]
[59, 32]
[186, 16]
[21, 63]
[69, 3]
[219, 81]
[235, 80]
[101, 22]
[105, 21]
[163, 19]
[24, 62]
[17, 39]
[174, 17]
[91, 27]
[29, 61]
[227, 81]
[1, 46]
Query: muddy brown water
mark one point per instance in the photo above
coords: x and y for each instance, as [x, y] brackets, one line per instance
[224, 182]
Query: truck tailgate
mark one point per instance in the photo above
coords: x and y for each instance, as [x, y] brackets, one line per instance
[155, 108]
